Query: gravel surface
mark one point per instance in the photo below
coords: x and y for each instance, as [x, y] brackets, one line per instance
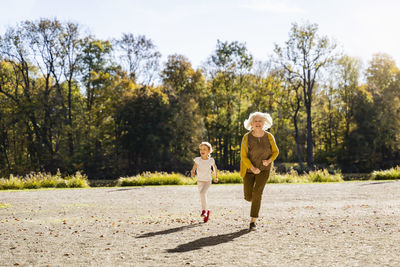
[340, 224]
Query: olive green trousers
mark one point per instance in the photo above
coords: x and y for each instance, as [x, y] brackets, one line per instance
[253, 187]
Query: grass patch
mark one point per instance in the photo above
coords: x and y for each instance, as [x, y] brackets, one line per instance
[227, 177]
[390, 174]
[77, 181]
[323, 176]
[319, 176]
[44, 180]
[157, 178]
[163, 178]
[3, 206]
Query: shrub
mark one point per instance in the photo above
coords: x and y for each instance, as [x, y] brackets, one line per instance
[226, 177]
[44, 180]
[3, 206]
[77, 181]
[390, 174]
[311, 177]
[13, 182]
[157, 178]
[323, 176]
[291, 177]
[162, 178]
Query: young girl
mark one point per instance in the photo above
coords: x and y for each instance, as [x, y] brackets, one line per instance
[202, 165]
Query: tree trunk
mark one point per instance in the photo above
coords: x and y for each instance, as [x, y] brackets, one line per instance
[308, 100]
[70, 139]
[296, 134]
[309, 140]
[4, 150]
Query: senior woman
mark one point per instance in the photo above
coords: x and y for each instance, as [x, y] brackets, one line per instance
[258, 151]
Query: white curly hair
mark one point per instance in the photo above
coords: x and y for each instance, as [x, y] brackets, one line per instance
[265, 116]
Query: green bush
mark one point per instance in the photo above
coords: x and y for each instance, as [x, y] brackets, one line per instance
[390, 174]
[226, 177]
[3, 206]
[62, 184]
[291, 177]
[323, 176]
[162, 178]
[311, 177]
[44, 180]
[13, 182]
[157, 178]
[77, 181]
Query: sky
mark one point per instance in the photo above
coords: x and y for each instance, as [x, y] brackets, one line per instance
[191, 28]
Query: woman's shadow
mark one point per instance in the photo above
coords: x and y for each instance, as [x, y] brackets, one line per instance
[208, 241]
[169, 231]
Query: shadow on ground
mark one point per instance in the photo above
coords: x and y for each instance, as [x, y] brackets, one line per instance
[169, 231]
[124, 189]
[377, 183]
[208, 241]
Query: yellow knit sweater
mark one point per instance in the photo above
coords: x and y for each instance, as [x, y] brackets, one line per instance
[245, 162]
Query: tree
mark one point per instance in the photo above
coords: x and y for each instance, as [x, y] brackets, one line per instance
[227, 67]
[47, 48]
[293, 101]
[303, 57]
[140, 57]
[373, 142]
[347, 77]
[183, 86]
[327, 123]
[95, 65]
[383, 84]
[37, 52]
[143, 121]
[70, 49]
[20, 85]
[360, 155]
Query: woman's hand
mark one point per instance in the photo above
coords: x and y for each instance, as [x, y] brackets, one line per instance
[255, 170]
[266, 162]
[215, 180]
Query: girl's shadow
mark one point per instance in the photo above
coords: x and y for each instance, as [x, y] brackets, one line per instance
[169, 231]
[208, 241]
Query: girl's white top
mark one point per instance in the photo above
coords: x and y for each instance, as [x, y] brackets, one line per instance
[204, 168]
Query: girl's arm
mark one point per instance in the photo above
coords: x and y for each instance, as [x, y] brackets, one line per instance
[193, 171]
[215, 173]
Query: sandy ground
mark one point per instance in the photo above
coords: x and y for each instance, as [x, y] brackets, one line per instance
[341, 224]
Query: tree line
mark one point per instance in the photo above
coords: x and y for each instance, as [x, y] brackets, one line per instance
[111, 108]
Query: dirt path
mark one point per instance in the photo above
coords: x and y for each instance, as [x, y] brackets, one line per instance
[343, 224]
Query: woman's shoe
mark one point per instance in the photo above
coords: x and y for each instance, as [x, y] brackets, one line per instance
[203, 213]
[253, 226]
[206, 216]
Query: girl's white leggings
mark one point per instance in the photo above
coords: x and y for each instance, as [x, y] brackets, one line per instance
[203, 187]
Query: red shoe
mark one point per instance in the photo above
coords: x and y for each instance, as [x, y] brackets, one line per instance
[203, 213]
[206, 216]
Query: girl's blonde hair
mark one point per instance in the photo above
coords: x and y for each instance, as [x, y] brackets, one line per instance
[265, 116]
[206, 144]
